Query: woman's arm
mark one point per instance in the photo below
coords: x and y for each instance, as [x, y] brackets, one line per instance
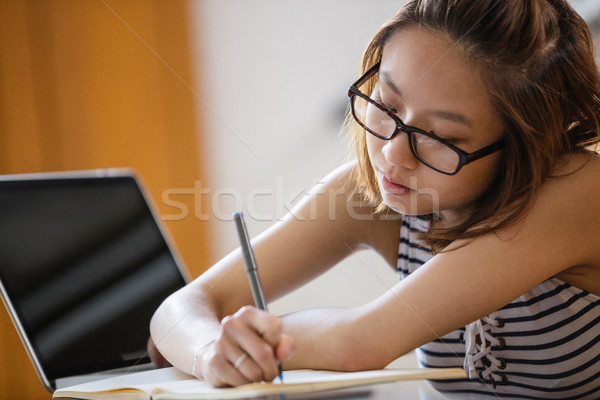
[454, 288]
[558, 235]
[207, 318]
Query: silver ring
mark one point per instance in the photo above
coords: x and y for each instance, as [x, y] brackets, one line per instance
[240, 361]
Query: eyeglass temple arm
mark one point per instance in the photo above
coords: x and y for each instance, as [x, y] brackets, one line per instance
[367, 75]
[486, 150]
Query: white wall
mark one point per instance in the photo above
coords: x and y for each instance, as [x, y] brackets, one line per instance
[274, 77]
[589, 9]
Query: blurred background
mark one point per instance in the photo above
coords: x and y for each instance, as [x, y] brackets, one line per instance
[219, 106]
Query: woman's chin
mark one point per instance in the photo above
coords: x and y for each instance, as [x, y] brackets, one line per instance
[408, 204]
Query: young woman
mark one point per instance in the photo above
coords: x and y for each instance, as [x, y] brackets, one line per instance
[472, 122]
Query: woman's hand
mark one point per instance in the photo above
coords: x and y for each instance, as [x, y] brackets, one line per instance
[249, 348]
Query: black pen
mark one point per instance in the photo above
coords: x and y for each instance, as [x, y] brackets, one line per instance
[251, 270]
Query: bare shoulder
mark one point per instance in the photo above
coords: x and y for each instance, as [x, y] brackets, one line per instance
[558, 236]
[579, 173]
[573, 195]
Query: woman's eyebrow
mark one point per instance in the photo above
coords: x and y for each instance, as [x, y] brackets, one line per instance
[447, 115]
[451, 116]
[385, 77]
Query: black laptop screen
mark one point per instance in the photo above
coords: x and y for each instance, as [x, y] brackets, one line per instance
[85, 266]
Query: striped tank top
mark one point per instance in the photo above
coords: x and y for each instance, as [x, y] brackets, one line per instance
[543, 345]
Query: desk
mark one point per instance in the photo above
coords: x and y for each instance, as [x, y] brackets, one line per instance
[402, 390]
[409, 390]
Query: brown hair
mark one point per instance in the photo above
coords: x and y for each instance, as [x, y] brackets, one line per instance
[536, 58]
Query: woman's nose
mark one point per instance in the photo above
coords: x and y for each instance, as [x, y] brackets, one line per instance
[397, 151]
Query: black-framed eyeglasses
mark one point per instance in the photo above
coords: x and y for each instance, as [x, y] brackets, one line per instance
[431, 150]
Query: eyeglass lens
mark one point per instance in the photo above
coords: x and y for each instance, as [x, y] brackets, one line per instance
[426, 148]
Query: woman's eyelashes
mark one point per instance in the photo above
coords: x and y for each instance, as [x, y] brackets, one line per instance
[378, 99]
[394, 106]
[451, 141]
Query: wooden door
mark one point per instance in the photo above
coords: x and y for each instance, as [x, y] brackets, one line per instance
[88, 84]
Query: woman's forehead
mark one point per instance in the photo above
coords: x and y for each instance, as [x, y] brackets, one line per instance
[428, 55]
[431, 73]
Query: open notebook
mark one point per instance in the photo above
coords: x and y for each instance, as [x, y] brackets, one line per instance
[169, 383]
[84, 263]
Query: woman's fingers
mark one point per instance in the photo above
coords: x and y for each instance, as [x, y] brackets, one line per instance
[256, 333]
[249, 348]
[224, 363]
[268, 326]
[217, 369]
[285, 348]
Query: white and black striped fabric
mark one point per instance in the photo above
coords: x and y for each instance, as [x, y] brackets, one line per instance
[543, 345]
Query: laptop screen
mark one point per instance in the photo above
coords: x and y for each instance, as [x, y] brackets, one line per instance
[84, 265]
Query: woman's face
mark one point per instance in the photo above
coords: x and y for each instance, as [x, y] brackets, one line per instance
[432, 86]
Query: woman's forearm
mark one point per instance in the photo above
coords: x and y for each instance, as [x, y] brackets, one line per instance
[333, 339]
[181, 327]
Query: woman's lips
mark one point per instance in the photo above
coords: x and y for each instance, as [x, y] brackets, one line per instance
[393, 187]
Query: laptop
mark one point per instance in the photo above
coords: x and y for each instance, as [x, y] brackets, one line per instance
[84, 263]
